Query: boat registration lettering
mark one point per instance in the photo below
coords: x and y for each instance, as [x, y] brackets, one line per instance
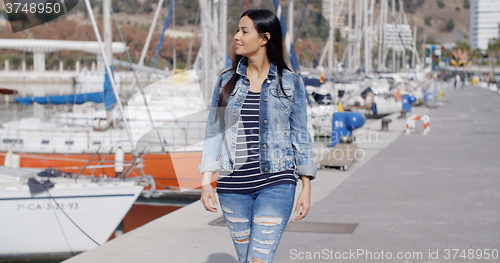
[47, 206]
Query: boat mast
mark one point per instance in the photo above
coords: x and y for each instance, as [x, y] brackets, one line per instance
[108, 31]
[349, 51]
[150, 33]
[213, 57]
[370, 38]
[384, 23]
[223, 27]
[215, 16]
[381, 26]
[205, 55]
[366, 46]
[357, 31]
[403, 52]
[108, 70]
[331, 38]
[393, 60]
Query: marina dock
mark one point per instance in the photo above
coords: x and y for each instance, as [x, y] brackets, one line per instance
[425, 195]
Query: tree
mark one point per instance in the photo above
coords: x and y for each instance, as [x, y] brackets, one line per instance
[466, 4]
[440, 4]
[337, 35]
[451, 24]
[493, 48]
[428, 21]
[411, 6]
[476, 55]
[462, 45]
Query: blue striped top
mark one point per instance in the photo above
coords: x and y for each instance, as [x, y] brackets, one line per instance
[246, 177]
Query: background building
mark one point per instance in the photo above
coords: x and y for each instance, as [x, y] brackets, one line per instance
[484, 22]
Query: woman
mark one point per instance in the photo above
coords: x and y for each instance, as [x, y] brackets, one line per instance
[257, 137]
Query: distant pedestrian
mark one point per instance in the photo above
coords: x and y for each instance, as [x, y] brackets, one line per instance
[457, 80]
[257, 137]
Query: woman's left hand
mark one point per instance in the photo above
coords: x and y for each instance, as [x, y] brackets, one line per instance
[304, 199]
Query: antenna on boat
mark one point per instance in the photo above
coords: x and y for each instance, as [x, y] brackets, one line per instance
[108, 70]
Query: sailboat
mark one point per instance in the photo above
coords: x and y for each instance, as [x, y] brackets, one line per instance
[47, 213]
[166, 145]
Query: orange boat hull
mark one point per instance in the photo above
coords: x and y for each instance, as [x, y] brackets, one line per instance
[160, 165]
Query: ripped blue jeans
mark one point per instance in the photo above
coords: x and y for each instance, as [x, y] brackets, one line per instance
[257, 220]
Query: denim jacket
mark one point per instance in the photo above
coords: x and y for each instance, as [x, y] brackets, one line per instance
[284, 140]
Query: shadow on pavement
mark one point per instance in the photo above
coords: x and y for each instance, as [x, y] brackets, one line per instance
[221, 258]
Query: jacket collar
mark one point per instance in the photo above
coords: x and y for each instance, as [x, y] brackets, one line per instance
[241, 69]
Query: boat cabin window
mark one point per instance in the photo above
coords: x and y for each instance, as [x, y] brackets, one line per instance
[69, 143]
[10, 141]
[96, 143]
[45, 141]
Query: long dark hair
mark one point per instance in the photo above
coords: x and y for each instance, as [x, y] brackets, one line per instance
[264, 22]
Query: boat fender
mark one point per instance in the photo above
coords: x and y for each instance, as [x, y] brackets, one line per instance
[8, 159]
[15, 161]
[119, 159]
[374, 108]
[12, 160]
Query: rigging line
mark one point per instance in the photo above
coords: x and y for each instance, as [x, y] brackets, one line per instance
[321, 47]
[60, 226]
[108, 70]
[53, 199]
[190, 51]
[300, 23]
[309, 38]
[157, 52]
[136, 78]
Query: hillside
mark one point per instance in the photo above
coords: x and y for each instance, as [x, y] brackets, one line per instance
[438, 19]
[134, 17]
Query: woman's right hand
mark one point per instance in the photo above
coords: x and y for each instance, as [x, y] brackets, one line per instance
[208, 193]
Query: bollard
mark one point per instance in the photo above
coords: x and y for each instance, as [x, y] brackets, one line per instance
[347, 139]
[385, 124]
[343, 123]
[403, 114]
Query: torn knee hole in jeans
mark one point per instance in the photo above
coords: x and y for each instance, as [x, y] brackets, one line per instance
[242, 237]
[236, 219]
[227, 210]
[267, 220]
[256, 260]
[264, 242]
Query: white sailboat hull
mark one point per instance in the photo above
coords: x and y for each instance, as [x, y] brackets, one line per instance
[36, 225]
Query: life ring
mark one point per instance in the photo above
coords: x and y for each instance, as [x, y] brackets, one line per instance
[410, 123]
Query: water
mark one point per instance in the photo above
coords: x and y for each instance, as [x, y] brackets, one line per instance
[39, 89]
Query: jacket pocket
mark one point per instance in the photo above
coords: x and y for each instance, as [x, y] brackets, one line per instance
[279, 93]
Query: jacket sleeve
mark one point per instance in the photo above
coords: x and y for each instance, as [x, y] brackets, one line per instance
[301, 139]
[214, 136]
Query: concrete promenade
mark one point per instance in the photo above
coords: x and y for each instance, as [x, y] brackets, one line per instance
[407, 193]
